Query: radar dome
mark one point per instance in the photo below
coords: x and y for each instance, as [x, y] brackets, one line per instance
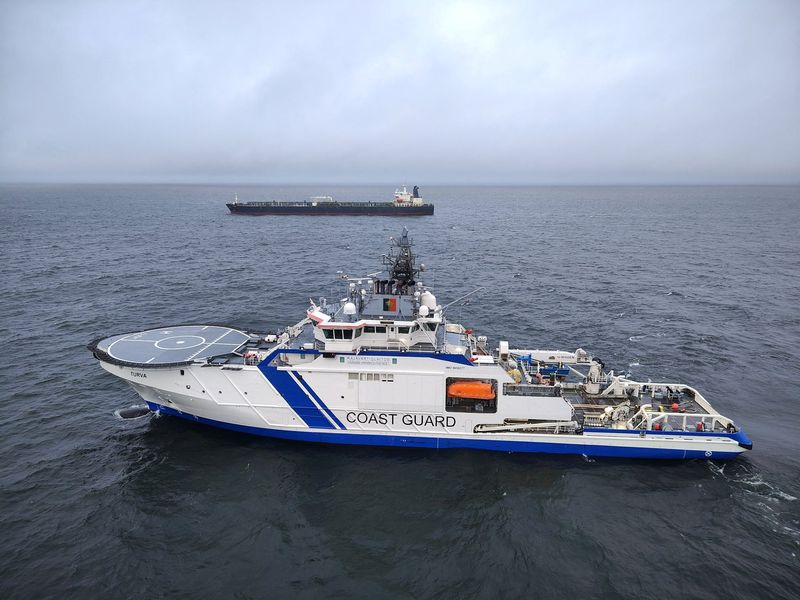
[428, 299]
[349, 308]
[423, 311]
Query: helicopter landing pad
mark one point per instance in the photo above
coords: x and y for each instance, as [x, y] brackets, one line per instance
[172, 345]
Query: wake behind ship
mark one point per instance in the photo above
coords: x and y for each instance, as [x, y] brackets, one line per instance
[382, 365]
[405, 204]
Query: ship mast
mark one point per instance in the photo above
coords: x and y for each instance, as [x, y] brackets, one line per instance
[401, 261]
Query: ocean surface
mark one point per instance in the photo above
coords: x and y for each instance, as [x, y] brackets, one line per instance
[696, 284]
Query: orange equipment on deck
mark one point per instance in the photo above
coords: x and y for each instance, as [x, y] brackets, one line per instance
[475, 390]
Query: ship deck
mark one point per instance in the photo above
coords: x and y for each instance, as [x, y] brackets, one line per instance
[169, 346]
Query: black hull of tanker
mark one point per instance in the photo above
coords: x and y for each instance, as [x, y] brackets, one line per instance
[383, 209]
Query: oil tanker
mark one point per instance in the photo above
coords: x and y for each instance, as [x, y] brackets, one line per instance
[405, 204]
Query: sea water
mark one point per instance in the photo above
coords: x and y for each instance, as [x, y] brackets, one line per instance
[693, 284]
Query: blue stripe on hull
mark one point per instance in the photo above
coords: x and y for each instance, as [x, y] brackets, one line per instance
[454, 358]
[740, 436]
[366, 439]
[328, 411]
[296, 398]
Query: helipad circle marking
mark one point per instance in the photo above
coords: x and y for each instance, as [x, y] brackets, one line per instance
[180, 342]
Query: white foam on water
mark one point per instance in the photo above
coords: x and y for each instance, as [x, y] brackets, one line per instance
[769, 500]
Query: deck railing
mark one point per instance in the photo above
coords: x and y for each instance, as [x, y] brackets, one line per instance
[521, 389]
[649, 419]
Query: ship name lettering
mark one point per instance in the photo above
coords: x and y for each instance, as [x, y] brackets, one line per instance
[373, 418]
[428, 420]
[138, 374]
[406, 419]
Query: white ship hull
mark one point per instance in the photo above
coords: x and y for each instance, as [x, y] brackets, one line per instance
[245, 400]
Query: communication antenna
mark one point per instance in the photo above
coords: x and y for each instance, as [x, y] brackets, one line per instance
[483, 287]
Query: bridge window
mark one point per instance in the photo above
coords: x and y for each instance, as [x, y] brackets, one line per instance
[369, 329]
[402, 330]
[328, 334]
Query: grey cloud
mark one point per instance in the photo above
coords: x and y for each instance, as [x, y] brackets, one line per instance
[494, 92]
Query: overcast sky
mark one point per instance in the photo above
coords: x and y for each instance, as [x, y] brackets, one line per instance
[581, 92]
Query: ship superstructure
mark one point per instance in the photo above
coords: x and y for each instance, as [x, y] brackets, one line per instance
[382, 365]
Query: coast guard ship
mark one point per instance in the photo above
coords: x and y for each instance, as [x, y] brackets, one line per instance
[383, 366]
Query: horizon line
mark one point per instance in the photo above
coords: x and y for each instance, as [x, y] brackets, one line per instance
[383, 183]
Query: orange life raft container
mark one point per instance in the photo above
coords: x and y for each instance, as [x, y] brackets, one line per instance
[476, 390]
